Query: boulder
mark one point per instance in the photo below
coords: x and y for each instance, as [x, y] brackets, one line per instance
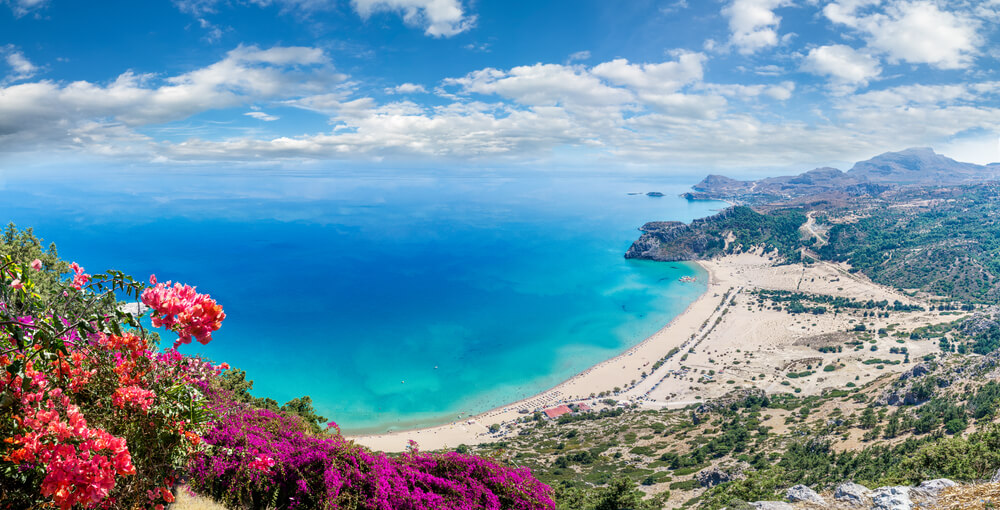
[892, 498]
[804, 494]
[934, 487]
[853, 493]
[996, 477]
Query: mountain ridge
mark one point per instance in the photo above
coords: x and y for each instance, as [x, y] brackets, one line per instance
[917, 166]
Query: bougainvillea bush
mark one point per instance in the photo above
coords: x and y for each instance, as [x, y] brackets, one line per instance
[91, 413]
[94, 414]
[261, 459]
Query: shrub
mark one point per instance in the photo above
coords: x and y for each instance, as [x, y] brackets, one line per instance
[260, 458]
[92, 413]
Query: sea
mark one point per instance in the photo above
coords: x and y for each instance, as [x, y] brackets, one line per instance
[394, 300]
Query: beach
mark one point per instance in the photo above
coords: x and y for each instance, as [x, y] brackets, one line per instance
[719, 337]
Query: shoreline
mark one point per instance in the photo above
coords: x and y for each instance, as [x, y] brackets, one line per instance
[578, 388]
[727, 339]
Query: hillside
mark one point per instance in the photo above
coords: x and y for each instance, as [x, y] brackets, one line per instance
[938, 419]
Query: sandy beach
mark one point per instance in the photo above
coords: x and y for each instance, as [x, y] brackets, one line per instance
[723, 341]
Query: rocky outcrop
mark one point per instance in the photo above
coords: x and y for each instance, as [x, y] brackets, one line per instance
[933, 488]
[911, 388]
[804, 494]
[892, 498]
[851, 495]
[710, 477]
[850, 492]
[670, 241]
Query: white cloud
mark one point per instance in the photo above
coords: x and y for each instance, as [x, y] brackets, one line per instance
[203, 7]
[665, 76]
[753, 24]
[916, 32]
[781, 91]
[406, 88]
[50, 113]
[438, 18]
[262, 116]
[843, 64]
[543, 85]
[20, 67]
[22, 7]
[617, 112]
[580, 55]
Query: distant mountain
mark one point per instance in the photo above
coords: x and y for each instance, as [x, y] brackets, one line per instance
[920, 166]
[916, 166]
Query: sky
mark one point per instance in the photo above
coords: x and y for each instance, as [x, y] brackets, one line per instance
[631, 85]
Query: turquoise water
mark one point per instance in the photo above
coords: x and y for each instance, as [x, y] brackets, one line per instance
[475, 291]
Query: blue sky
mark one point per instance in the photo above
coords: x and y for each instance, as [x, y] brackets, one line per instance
[731, 86]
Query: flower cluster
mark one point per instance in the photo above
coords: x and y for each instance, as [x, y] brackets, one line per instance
[133, 397]
[183, 310]
[328, 471]
[81, 462]
[79, 277]
[90, 414]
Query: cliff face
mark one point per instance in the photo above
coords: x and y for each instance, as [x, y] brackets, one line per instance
[669, 241]
[734, 229]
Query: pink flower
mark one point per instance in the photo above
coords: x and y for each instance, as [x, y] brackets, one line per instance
[36, 265]
[16, 284]
[79, 278]
[133, 396]
[183, 310]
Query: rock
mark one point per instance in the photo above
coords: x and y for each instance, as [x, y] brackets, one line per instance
[918, 370]
[772, 505]
[852, 493]
[934, 487]
[710, 477]
[891, 498]
[996, 477]
[805, 494]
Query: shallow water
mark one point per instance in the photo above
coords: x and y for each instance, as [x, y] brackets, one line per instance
[392, 302]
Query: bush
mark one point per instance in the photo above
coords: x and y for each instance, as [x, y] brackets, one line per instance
[260, 458]
[92, 412]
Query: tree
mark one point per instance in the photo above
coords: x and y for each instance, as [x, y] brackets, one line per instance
[621, 494]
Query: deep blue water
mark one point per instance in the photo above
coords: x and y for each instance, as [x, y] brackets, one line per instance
[344, 287]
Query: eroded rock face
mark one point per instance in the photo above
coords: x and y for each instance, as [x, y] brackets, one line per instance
[668, 241]
[853, 493]
[802, 493]
[892, 498]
